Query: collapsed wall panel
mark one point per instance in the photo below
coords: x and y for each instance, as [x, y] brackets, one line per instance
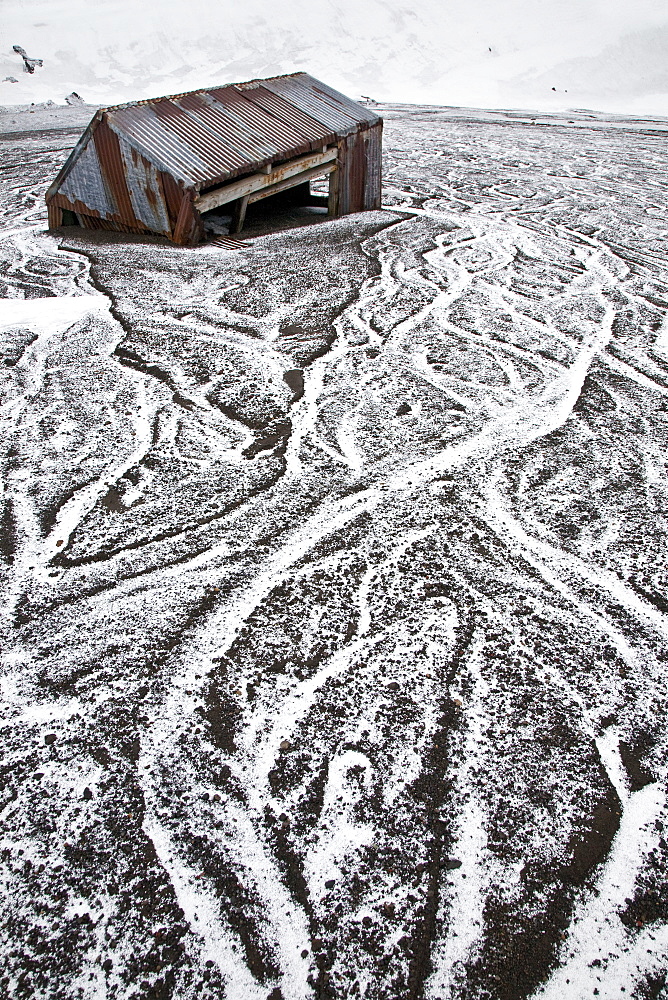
[85, 184]
[145, 190]
[111, 159]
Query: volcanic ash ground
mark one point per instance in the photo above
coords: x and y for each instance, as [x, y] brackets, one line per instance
[335, 586]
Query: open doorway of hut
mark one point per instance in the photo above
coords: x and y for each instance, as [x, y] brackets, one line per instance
[301, 205]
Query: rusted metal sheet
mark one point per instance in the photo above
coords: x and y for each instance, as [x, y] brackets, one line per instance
[307, 127]
[258, 138]
[188, 229]
[204, 137]
[97, 189]
[296, 91]
[209, 147]
[145, 190]
[86, 184]
[373, 183]
[145, 131]
[358, 112]
[279, 132]
[173, 196]
[141, 167]
[359, 181]
[233, 146]
[55, 215]
[111, 162]
[94, 222]
[71, 160]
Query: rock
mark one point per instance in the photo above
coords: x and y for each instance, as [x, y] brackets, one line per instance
[49, 739]
[638, 774]
[295, 381]
[28, 63]
[87, 794]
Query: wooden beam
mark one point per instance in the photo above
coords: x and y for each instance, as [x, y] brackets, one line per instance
[303, 178]
[249, 185]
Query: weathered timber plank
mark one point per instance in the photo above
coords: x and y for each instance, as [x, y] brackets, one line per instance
[249, 185]
[302, 178]
[184, 220]
[333, 194]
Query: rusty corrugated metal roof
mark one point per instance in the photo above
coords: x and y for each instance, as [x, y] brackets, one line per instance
[205, 137]
[339, 113]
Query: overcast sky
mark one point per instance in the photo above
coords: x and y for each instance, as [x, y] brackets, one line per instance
[603, 54]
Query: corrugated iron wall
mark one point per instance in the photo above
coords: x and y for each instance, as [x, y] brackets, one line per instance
[85, 184]
[145, 190]
[373, 180]
[359, 169]
[112, 186]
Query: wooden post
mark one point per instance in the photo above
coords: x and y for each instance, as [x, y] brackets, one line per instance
[333, 198]
[183, 227]
[239, 215]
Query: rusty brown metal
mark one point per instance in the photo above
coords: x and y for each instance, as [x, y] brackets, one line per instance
[55, 215]
[278, 132]
[373, 183]
[113, 173]
[140, 167]
[301, 91]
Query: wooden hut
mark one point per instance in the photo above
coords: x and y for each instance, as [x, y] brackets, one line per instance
[156, 166]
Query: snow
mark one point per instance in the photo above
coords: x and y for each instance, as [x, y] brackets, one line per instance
[570, 54]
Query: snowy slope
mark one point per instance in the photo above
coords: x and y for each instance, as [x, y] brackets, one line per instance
[516, 54]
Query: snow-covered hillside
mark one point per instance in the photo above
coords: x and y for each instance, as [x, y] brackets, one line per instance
[570, 53]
